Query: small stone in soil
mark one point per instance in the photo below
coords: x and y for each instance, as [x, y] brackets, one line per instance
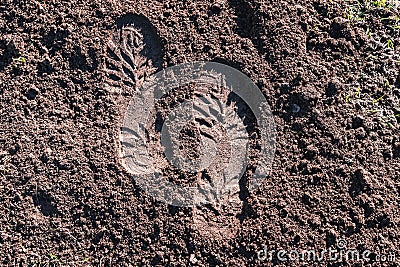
[216, 8]
[296, 108]
[193, 259]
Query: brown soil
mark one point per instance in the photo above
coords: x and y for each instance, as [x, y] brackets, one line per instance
[327, 69]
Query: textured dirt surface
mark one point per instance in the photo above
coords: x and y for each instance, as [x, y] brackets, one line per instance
[330, 72]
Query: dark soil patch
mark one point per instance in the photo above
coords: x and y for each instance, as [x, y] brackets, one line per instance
[327, 68]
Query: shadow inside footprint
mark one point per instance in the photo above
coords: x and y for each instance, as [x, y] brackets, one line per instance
[133, 53]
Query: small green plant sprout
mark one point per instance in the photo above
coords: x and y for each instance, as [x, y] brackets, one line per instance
[389, 121]
[20, 59]
[18, 62]
[390, 44]
[393, 4]
[53, 257]
[353, 95]
[385, 4]
[394, 18]
[380, 3]
[368, 33]
[354, 12]
[348, 58]
[316, 26]
[378, 99]
[80, 262]
[359, 10]
[393, 21]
